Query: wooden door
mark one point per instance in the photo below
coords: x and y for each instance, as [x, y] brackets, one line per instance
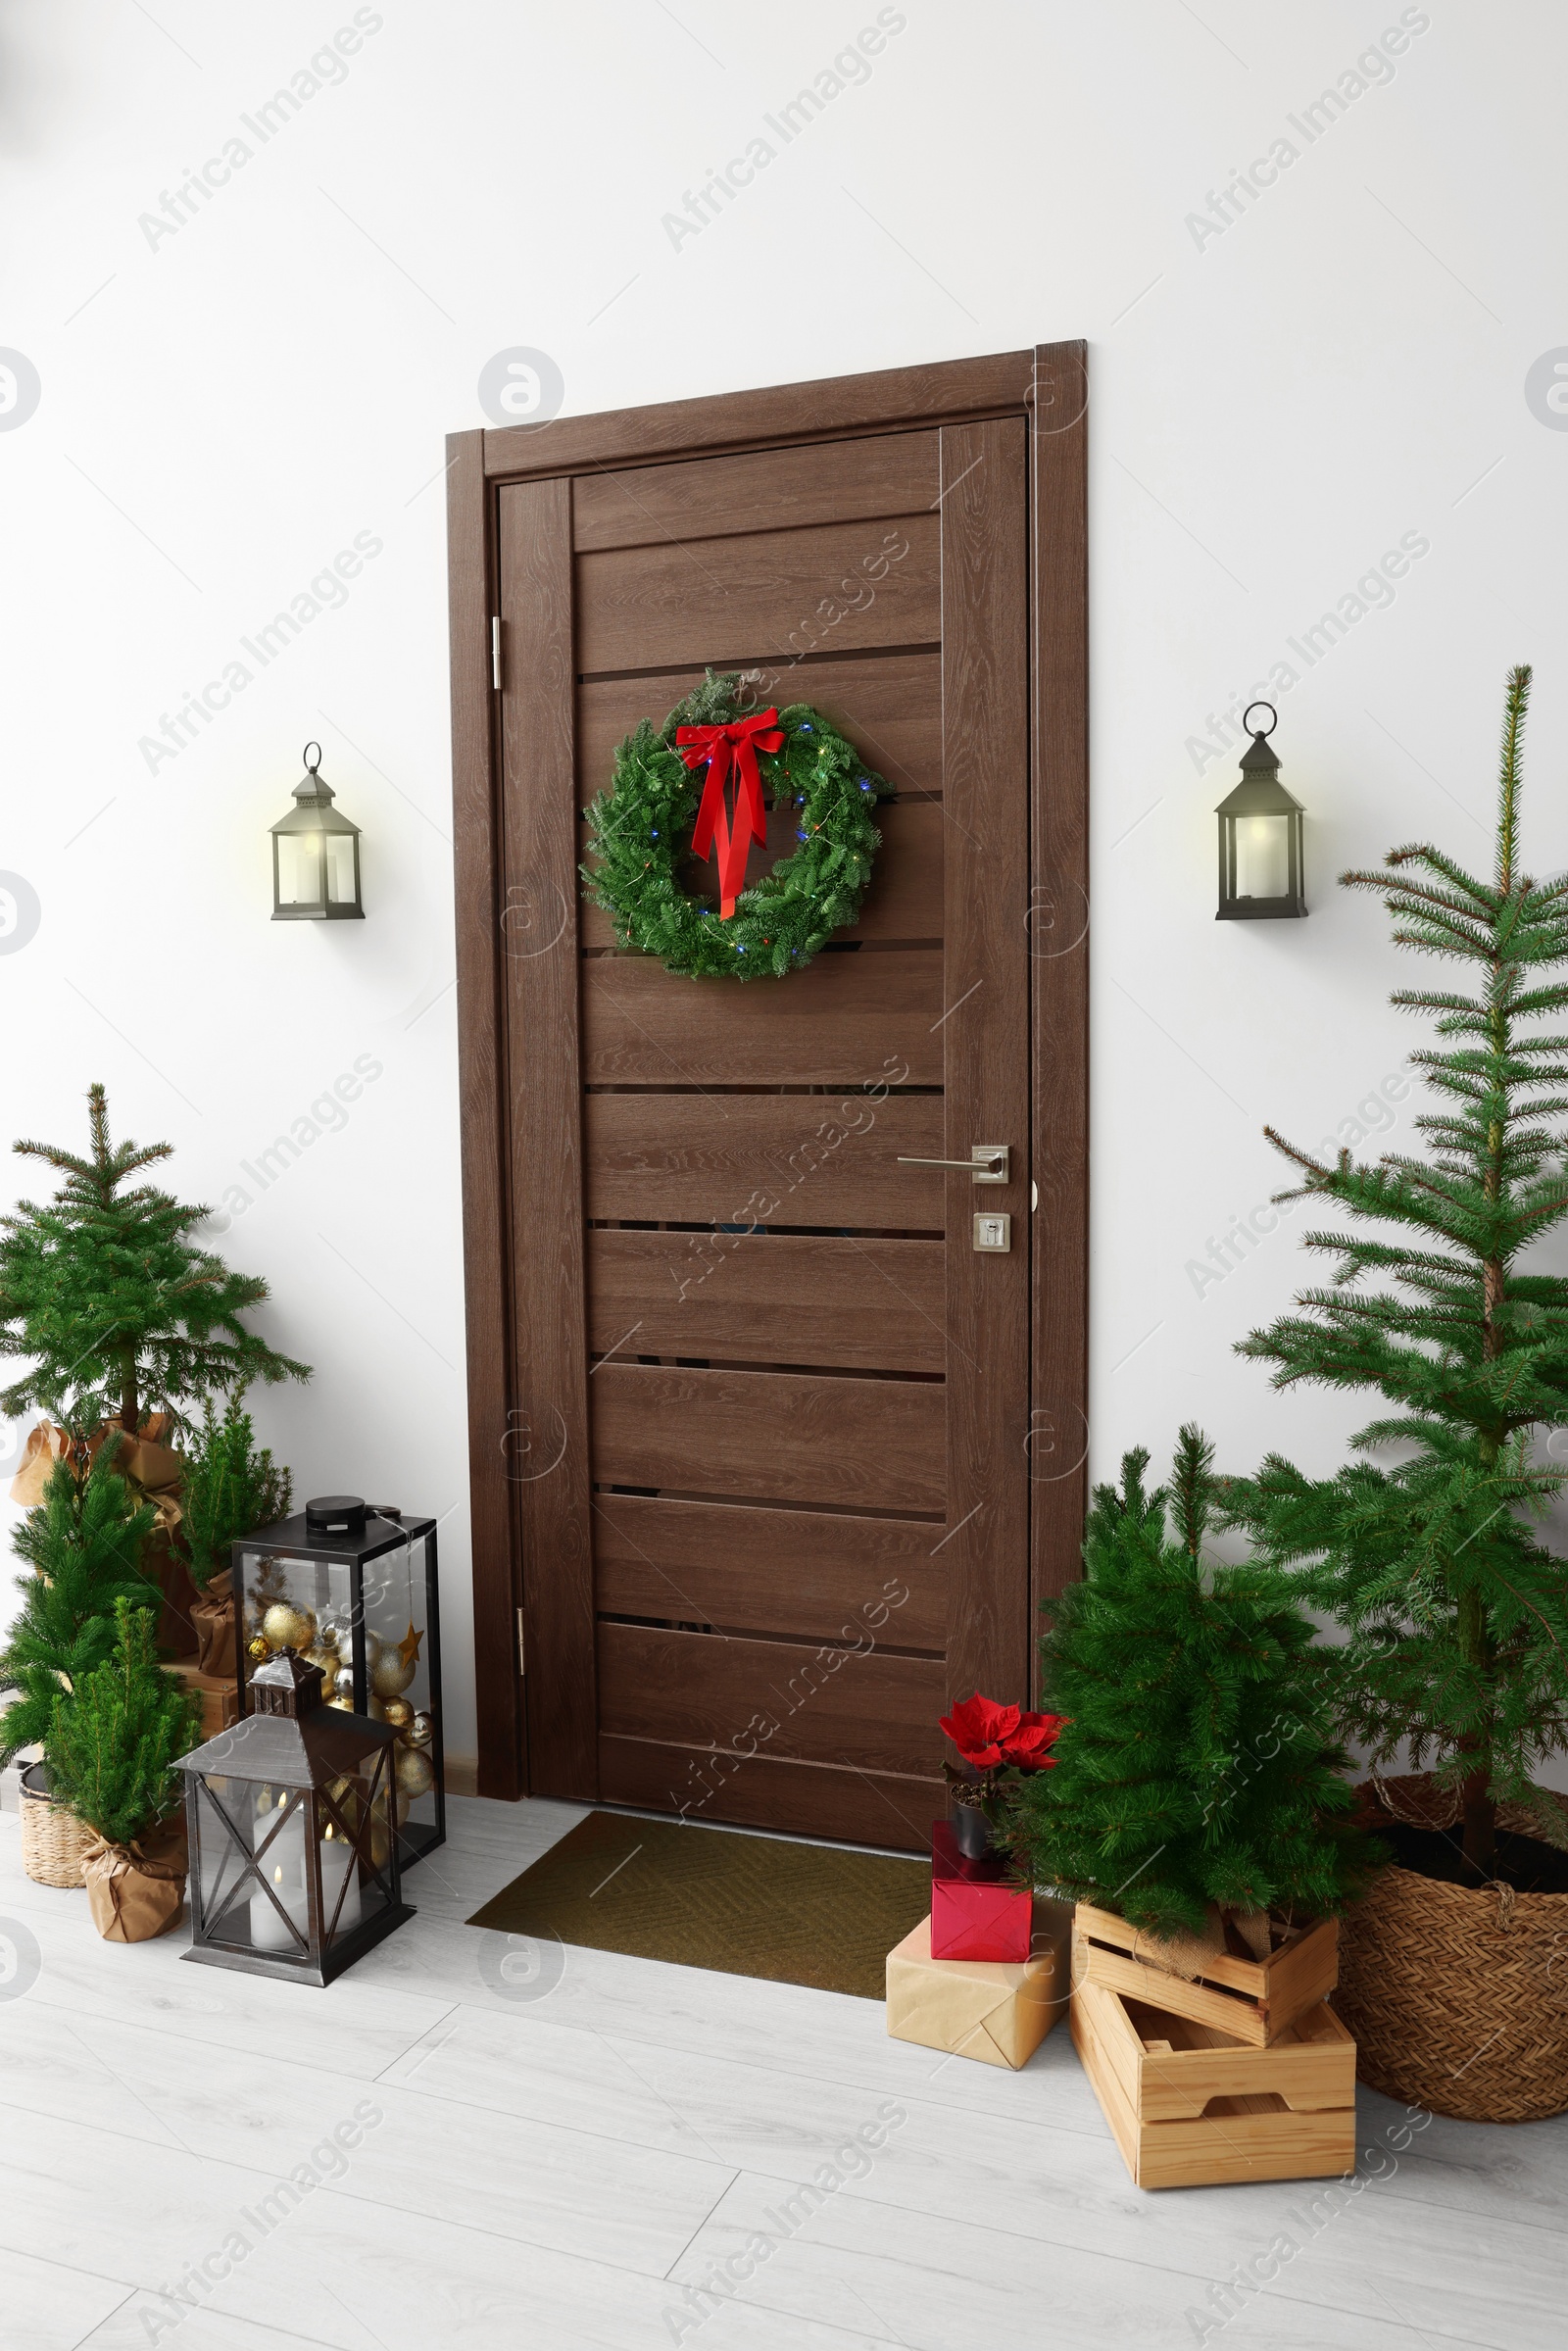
[766, 1473]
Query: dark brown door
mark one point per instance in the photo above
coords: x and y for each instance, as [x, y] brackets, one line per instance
[767, 1450]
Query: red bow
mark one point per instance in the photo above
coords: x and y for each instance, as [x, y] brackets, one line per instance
[718, 748]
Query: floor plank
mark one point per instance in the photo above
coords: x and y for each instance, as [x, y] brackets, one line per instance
[570, 2141]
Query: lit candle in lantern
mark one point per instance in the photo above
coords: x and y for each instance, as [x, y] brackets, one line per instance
[270, 1931]
[337, 1869]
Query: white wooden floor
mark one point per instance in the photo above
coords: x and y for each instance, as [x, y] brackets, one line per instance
[557, 2157]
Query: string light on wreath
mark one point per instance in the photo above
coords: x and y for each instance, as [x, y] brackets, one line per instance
[699, 780]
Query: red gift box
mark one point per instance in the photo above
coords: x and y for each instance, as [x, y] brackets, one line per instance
[975, 1917]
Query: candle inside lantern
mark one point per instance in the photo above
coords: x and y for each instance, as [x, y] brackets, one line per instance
[279, 1848]
[337, 1866]
[1262, 857]
[270, 1931]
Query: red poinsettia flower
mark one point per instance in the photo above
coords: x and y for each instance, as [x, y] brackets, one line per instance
[1028, 1743]
[987, 1734]
[977, 1728]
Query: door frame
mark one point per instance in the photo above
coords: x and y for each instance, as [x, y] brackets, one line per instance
[1048, 387]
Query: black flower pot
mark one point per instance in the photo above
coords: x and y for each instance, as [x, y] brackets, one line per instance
[972, 1830]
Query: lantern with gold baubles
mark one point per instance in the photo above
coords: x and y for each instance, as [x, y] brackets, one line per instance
[350, 1589]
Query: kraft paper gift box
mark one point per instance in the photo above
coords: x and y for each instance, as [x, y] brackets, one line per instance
[976, 1912]
[996, 2012]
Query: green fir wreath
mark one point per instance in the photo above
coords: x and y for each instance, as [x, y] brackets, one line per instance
[640, 827]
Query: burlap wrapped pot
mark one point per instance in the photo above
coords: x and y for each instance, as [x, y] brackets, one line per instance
[1457, 1995]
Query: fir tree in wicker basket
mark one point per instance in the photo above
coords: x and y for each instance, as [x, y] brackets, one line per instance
[1456, 1615]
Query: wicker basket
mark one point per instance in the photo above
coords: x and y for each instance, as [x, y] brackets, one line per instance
[1458, 1997]
[53, 1839]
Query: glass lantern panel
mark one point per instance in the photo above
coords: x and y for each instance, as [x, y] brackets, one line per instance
[1262, 857]
[353, 1848]
[340, 889]
[303, 1605]
[397, 1660]
[299, 869]
[224, 1809]
[280, 1820]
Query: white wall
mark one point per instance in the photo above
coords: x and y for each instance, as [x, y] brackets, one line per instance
[224, 408]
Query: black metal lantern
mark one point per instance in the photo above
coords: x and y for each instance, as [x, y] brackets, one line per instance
[316, 856]
[1260, 838]
[352, 1589]
[293, 1860]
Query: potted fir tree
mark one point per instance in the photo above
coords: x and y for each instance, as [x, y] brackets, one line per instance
[114, 1746]
[83, 1545]
[1456, 1616]
[230, 1488]
[1197, 1790]
[124, 1320]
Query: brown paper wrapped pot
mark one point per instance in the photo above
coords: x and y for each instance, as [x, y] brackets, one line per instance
[136, 1891]
[213, 1616]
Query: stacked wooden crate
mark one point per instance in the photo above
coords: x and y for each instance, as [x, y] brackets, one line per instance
[1238, 2070]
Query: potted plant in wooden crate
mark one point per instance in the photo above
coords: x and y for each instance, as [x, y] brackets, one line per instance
[1456, 1615]
[1196, 1811]
[83, 1545]
[114, 1745]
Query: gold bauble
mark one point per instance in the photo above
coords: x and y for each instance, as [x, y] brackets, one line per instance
[381, 1842]
[372, 1644]
[404, 1806]
[343, 1705]
[415, 1772]
[392, 1674]
[397, 1712]
[259, 1649]
[420, 1731]
[326, 1659]
[286, 1627]
[343, 1686]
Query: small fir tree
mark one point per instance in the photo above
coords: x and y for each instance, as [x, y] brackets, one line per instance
[108, 1295]
[115, 1741]
[1196, 1766]
[1456, 1616]
[230, 1490]
[82, 1545]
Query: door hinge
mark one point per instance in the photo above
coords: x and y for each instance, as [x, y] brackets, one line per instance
[522, 1644]
[495, 652]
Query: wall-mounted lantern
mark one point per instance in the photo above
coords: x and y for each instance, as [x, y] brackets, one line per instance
[1260, 838]
[316, 856]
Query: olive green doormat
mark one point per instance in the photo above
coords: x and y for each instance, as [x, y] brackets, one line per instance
[716, 1898]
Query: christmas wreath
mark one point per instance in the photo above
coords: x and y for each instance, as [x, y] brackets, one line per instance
[695, 786]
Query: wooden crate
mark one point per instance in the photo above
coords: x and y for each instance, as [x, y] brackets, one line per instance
[219, 1694]
[1191, 2107]
[1254, 2001]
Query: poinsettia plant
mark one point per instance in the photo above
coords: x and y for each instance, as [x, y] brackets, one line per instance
[997, 1744]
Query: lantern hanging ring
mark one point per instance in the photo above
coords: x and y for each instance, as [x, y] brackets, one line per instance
[314, 767]
[1264, 731]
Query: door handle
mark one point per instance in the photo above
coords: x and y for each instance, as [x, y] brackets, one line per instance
[987, 1163]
